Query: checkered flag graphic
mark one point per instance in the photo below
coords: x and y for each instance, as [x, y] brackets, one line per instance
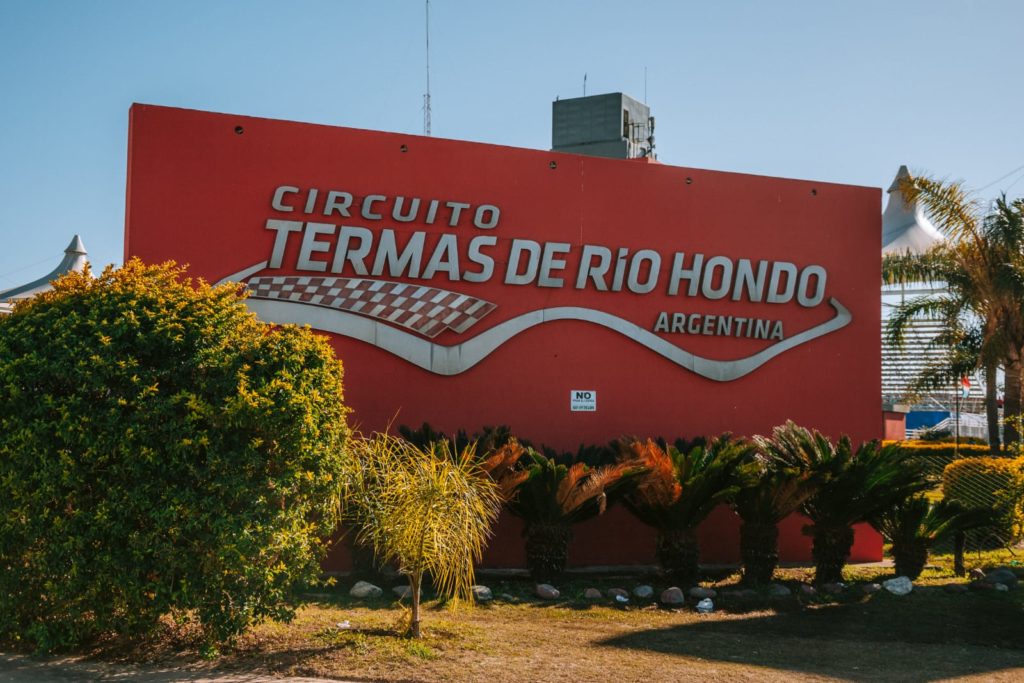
[425, 310]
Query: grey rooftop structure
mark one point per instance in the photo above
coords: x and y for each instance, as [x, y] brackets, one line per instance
[613, 125]
[74, 260]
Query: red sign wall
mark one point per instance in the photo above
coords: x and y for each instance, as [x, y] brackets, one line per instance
[572, 298]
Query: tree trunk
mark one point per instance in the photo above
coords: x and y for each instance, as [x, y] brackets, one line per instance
[910, 557]
[759, 548]
[678, 553]
[830, 548]
[992, 407]
[1011, 400]
[415, 581]
[547, 550]
[959, 546]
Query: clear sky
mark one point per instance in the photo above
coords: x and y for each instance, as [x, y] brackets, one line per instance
[835, 91]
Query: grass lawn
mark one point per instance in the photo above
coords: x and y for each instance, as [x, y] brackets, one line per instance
[929, 635]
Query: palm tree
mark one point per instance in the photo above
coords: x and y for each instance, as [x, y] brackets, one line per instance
[982, 307]
[499, 464]
[554, 497]
[915, 525]
[856, 487]
[428, 510]
[785, 482]
[680, 489]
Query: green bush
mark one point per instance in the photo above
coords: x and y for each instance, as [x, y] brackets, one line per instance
[991, 484]
[934, 456]
[161, 451]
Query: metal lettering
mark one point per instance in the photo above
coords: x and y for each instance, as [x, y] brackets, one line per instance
[479, 221]
[279, 194]
[456, 208]
[485, 262]
[281, 240]
[311, 201]
[445, 258]
[355, 256]
[332, 204]
[818, 296]
[512, 274]
[775, 294]
[633, 281]
[745, 279]
[708, 288]
[549, 263]
[396, 211]
[620, 269]
[368, 202]
[311, 245]
[406, 264]
[679, 273]
[432, 212]
[595, 273]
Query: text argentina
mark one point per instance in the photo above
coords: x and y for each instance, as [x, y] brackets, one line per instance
[718, 325]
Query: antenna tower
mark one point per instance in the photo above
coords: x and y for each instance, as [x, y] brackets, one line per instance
[426, 96]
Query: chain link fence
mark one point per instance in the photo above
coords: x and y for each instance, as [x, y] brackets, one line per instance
[980, 479]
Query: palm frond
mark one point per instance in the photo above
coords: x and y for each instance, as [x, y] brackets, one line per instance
[952, 209]
[681, 488]
[428, 510]
[558, 494]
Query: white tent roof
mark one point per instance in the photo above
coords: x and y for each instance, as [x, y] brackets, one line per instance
[904, 226]
[74, 260]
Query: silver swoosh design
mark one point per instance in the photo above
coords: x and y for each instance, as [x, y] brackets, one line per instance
[455, 359]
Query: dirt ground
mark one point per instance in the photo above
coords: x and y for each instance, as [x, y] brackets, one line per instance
[930, 635]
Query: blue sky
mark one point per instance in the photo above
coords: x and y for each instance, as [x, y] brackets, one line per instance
[834, 91]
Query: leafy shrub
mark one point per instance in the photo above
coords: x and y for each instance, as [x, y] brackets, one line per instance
[989, 483]
[945, 436]
[161, 450]
[934, 456]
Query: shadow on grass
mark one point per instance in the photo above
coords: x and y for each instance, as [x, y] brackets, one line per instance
[918, 638]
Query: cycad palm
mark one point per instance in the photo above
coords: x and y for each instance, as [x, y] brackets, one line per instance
[916, 524]
[552, 498]
[785, 482]
[680, 489]
[857, 486]
[779, 492]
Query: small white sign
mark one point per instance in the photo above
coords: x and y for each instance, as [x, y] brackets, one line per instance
[583, 400]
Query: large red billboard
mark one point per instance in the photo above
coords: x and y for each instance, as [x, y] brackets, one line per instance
[575, 299]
